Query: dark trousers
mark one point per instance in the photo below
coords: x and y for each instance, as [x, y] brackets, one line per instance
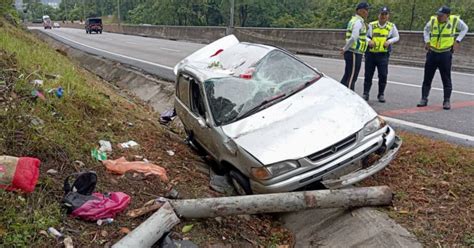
[441, 61]
[379, 61]
[353, 62]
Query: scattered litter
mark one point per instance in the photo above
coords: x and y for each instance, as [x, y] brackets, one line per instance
[124, 230]
[170, 152]
[55, 233]
[105, 146]
[52, 76]
[82, 203]
[138, 158]
[68, 242]
[52, 171]
[43, 232]
[121, 165]
[37, 82]
[59, 92]
[98, 155]
[146, 161]
[128, 144]
[36, 121]
[19, 173]
[104, 233]
[187, 228]
[38, 94]
[147, 208]
[167, 242]
[130, 124]
[101, 222]
[167, 116]
[172, 194]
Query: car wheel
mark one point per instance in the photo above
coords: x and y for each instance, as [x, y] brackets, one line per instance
[100, 32]
[240, 182]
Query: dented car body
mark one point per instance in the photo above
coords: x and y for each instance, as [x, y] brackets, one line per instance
[275, 122]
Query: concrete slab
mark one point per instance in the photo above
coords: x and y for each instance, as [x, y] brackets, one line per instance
[363, 227]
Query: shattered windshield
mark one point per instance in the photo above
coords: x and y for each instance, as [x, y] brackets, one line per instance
[274, 76]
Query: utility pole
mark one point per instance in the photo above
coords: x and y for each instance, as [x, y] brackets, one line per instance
[118, 11]
[230, 29]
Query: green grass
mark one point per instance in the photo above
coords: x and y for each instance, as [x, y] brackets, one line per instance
[71, 127]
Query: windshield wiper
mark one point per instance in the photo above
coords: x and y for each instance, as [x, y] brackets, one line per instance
[306, 84]
[261, 106]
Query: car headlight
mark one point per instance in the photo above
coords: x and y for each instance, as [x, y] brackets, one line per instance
[373, 125]
[274, 170]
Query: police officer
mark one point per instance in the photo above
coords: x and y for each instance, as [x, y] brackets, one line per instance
[382, 34]
[441, 42]
[356, 45]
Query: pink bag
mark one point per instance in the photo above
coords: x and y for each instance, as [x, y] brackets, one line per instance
[102, 206]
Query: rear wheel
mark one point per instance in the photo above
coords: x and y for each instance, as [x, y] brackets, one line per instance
[240, 182]
[100, 32]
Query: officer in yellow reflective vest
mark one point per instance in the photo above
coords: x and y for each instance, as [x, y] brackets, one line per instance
[441, 42]
[382, 34]
[356, 45]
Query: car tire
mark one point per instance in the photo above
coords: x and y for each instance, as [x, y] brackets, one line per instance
[100, 32]
[240, 182]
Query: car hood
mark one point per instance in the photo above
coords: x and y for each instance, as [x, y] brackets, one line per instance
[312, 119]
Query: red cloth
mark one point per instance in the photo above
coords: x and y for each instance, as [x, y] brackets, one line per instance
[102, 207]
[26, 174]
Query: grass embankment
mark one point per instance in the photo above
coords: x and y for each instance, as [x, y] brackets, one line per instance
[433, 183]
[60, 131]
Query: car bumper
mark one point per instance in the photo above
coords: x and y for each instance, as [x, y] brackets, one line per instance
[342, 171]
[360, 175]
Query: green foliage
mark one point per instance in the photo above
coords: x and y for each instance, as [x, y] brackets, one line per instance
[407, 14]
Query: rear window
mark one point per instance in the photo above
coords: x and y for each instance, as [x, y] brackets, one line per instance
[95, 21]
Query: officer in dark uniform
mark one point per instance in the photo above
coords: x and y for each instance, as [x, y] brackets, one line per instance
[441, 42]
[382, 34]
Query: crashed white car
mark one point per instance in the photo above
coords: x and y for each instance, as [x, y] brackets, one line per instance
[275, 123]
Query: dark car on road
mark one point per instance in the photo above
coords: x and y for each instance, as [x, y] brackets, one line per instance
[94, 25]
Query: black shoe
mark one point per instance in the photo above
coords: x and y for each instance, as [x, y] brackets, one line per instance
[365, 96]
[423, 103]
[446, 105]
[381, 98]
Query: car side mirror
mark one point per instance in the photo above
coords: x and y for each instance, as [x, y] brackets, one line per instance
[202, 122]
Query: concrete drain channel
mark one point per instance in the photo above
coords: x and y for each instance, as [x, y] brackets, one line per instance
[362, 227]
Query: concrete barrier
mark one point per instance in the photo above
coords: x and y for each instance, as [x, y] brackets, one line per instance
[318, 42]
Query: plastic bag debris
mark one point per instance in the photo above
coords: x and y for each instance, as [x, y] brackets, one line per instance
[59, 92]
[38, 94]
[121, 166]
[68, 242]
[98, 155]
[129, 144]
[104, 221]
[37, 82]
[55, 233]
[170, 152]
[82, 203]
[167, 116]
[52, 172]
[105, 146]
[19, 173]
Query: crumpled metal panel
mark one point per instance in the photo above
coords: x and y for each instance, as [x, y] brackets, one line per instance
[311, 120]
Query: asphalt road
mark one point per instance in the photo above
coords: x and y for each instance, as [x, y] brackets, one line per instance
[159, 56]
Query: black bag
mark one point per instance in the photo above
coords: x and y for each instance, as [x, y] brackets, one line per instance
[80, 191]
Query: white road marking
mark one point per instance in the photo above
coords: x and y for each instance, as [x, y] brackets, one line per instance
[399, 66]
[397, 121]
[116, 54]
[431, 129]
[167, 49]
[419, 86]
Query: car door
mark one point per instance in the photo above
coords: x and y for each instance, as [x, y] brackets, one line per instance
[203, 130]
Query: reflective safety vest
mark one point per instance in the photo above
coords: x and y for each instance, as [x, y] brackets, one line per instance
[360, 45]
[380, 36]
[442, 35]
